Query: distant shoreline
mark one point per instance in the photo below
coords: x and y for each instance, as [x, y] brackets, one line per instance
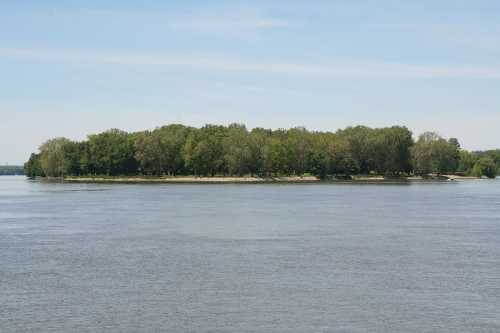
[250, 180]
[11, 170]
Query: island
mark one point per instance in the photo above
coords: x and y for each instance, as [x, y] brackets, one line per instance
[177, 153]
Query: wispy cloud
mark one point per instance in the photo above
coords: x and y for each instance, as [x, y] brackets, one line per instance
[225, 23]
[479, 35]
[229, 21]
[232, 23]
[340, 69]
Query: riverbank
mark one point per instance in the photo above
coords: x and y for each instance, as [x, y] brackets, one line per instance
[193, 179]
[251, 180]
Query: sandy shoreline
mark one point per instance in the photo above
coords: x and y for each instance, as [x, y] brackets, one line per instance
[251, 180]
[191, 179]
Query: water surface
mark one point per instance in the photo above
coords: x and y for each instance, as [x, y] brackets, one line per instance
[249, 258]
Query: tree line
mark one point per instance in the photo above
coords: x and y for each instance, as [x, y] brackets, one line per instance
[234, 150]
[11, 170]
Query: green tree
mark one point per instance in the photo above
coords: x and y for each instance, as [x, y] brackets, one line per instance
[320, 159]
[85, 158]
[422, 153]
[277, 163]
[150, 153]
[391, 149]
[53, 157]
[432, 153]
[33, 167]
[173, 138]
[362, 141]
[493, 154]
[485, 166]
[73, 152]
[112, 153]
[445, 155]
[260, 151]
[203, 152]
[237, 150]
[340, 160]
[298, 147]
[466, 162]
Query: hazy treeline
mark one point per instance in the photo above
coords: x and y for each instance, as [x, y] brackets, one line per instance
[11, 170]
[233, 150]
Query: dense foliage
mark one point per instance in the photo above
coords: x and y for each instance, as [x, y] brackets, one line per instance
[11, 170]
[234, 150]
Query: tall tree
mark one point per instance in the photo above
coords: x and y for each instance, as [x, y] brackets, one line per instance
[173, 138]
[112, 153]
[53, 159]
[260, 151]
[321, 158]
[340, 161]
[392, 150]
[150, 153]
[203, 152]
[278, 155]
[422, 153]
[298, 148]
[237, 150]
[362, 141]
[485, 166]
[33, 167]
[432, 153]
[466, 162]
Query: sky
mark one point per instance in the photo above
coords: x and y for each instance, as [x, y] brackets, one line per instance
[73, 68]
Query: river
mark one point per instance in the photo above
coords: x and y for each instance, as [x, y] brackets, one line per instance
[420, 257]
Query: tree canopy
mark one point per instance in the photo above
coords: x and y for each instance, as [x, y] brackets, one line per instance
[234, 150]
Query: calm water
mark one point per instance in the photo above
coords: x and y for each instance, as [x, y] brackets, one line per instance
[249, 258]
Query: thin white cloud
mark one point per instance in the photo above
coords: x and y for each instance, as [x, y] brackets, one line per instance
[478, 35]
[340, 69]
[231, 21]
[226, 24]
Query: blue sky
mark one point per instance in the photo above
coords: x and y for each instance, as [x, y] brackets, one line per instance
[72, 68]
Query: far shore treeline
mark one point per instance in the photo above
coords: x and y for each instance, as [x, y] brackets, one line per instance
[11, 170]
[215, 150]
